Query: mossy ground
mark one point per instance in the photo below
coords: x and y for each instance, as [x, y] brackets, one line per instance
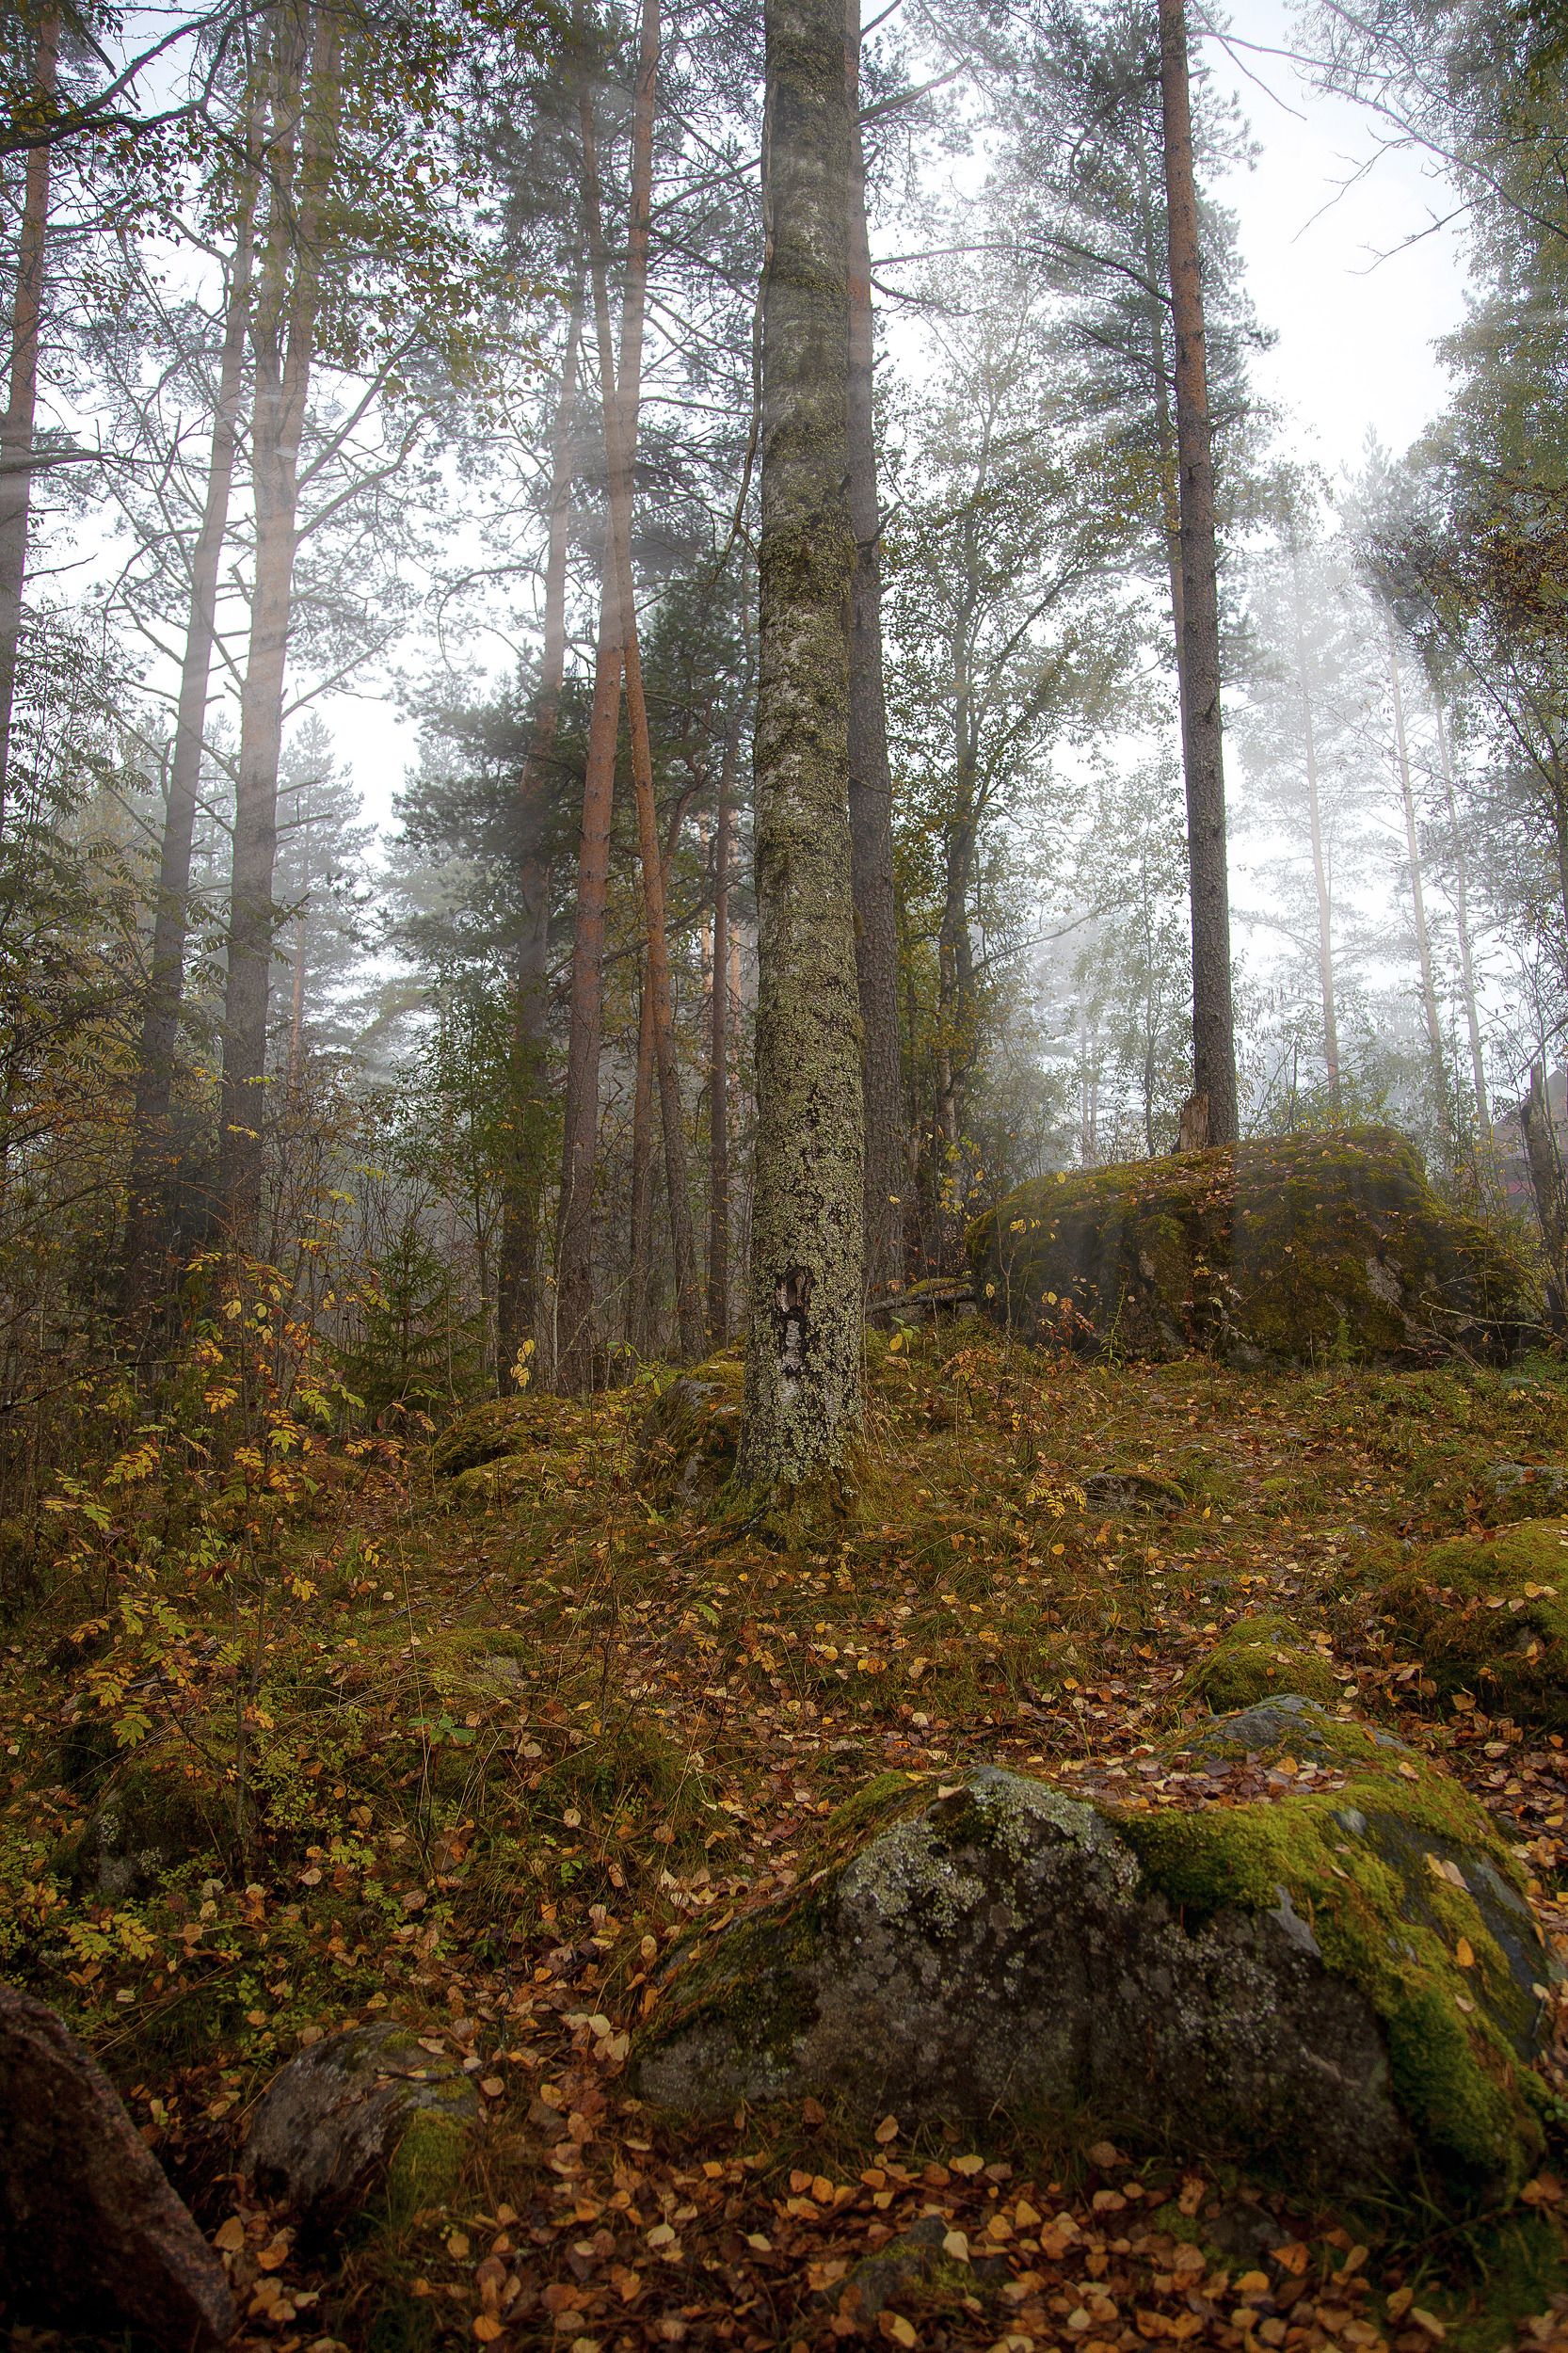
[1488, 1616]
[500, 1761]
[1261, 1655]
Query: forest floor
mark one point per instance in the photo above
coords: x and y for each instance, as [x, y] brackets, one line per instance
[497, 1763]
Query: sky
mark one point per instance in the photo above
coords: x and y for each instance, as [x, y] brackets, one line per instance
[1355, 304]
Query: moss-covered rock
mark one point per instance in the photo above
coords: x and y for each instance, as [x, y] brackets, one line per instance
[501, 1427]
[1339, 1984]
[1291, 1249]
[1258, 1658]
[691, 1433]
[364, 2108]
[1489, 1616]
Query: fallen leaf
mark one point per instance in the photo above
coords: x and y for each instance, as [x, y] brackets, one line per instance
[886, 2130]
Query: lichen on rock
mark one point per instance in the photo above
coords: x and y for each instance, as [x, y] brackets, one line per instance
[1489, 1616]
[367, 2108]
[1286, 1250]
[1277, 1980]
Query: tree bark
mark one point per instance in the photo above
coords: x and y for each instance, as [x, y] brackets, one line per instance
[1417, 892]
[620, 434]
[1213, 1019]
[802, 1389]
[17, 426]
[1315, 819]
[639, 1303]
[718, 1048]
[517, 1248]
[870, 786]
[1545, 1162]
[573, 1369]
[151, 1166]
[1462, 911]
[287, 310]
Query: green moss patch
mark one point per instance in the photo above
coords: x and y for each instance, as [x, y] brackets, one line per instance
[1256, 1657]
[1318, 1247]
[1488, 1616]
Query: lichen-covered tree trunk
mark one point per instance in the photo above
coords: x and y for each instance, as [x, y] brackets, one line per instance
[871, 789]
[802, 1391]
[1436, 1060]
[1213, 1019]
[718, 1047]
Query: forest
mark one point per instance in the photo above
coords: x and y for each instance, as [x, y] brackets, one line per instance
[783, 1215]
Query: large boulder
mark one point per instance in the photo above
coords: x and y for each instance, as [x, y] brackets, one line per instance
[91, 2235]
[365, 2109]
[1289, 1249]
[1318, 1960]
[1488, 1616]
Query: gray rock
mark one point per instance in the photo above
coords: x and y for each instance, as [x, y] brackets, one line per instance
[1275, 1979]
[91, 2235]
[365, 2106]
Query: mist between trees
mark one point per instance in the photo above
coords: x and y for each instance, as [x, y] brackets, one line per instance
[819, 818]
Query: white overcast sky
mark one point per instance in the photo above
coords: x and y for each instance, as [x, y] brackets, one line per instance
[1357, 305]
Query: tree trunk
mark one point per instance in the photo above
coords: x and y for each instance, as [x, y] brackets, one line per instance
[1462, 911]
[718, 1048]
[16, 428]
[802, 1391]
[620, 435]
[1545, 1162]
[639, 1299]
[1418, 892]
[151, 1166]
[1319, 860]
[573, 1369]
[1213, 1020]
[871, 787]
[517, 1248]
[287, 310]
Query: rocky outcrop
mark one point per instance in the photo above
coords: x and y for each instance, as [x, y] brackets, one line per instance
[1334, 1975]
[1488, 1616]
[366, 2108]
[1286, 1250]
[91, 2235]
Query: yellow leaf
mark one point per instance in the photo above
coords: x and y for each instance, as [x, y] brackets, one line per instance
[1464, 1953]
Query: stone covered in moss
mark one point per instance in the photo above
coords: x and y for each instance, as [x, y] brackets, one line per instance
[334, 2124]
[1290, 1248]
[1277, 1981]
[1257, 1656]
[691, 1433]
[501, 1427]
[1489, 1616]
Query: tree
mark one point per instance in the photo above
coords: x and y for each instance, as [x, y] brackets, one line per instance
[1213, 1018]
[803, 1384]
[17, 425]
[870, 783]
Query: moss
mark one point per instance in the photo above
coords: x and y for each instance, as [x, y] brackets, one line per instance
[1298, 1248]
[687, 1444]
[1256, 1657]
[1520, 2267]
[1489, 1616]
[503, 1426]
[1353, 1862]
[427, 2165]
